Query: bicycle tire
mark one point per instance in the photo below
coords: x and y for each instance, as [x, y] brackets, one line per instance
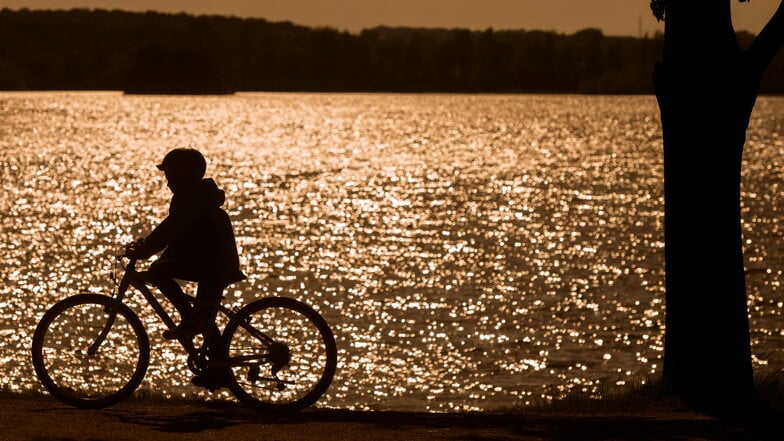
[312, 353]
[60, 358]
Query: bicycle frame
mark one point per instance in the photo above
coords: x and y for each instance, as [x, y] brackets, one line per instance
[92, 350]
[133, 278]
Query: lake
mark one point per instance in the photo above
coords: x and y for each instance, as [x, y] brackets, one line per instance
[471, 252]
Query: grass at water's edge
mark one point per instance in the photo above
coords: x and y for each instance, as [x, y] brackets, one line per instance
[142, 395]
[647, 395]
[641, 396]
[770, 386]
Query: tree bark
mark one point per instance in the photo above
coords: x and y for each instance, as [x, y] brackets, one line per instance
[706, 86]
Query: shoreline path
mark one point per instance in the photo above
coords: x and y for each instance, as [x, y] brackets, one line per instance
[41, 418]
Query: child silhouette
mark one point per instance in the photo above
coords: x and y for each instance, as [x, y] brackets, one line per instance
[197, 241]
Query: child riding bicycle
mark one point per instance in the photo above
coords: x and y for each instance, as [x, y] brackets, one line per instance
[198, 245]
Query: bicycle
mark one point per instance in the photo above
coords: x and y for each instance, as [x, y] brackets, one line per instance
[92, 351]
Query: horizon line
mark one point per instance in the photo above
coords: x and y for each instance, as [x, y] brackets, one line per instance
[332, 27]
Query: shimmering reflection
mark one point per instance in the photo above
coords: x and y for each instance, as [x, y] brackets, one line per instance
[470, 252]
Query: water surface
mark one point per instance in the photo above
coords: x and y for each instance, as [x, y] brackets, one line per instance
[470, 251]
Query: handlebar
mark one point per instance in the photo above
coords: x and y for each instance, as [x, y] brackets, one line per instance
[128, 252]
[131, 247]
[131, 260]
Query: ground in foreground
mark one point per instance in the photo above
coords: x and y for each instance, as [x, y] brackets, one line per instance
[34, 417]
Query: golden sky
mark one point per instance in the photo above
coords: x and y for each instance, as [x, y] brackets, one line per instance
[614, 17]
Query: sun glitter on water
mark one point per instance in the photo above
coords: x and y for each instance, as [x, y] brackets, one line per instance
[470, 252]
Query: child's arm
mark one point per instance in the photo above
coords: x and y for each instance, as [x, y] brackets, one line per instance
[183, 212]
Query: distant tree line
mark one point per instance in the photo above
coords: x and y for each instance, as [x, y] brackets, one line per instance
[153, 52]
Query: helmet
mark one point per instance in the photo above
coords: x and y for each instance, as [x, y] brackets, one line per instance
[189, 161]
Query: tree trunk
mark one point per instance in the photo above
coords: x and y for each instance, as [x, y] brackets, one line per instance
[706, 87]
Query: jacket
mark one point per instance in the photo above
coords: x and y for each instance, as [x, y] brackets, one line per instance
[198, 233]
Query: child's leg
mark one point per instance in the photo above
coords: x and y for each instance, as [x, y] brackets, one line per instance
[202, 316]
[208, 297]
[162, 273]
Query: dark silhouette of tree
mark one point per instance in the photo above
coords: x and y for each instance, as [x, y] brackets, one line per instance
[10, 78]
[706, 85]
[99, 49]
[159, 70]
[111, 50]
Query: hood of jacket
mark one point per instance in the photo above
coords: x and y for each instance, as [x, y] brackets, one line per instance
[204, 193]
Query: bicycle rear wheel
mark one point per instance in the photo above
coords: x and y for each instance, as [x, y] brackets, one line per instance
[62, 359]
[281, 353]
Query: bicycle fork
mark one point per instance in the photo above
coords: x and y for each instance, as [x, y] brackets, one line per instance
[112, 311]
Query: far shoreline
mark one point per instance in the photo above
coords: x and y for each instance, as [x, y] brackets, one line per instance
[317, 92]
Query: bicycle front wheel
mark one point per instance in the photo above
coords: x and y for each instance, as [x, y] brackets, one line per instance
[281, 353]
[73, 368]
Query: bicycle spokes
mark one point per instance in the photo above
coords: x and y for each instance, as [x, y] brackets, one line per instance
[67, 357]
[285, 359]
